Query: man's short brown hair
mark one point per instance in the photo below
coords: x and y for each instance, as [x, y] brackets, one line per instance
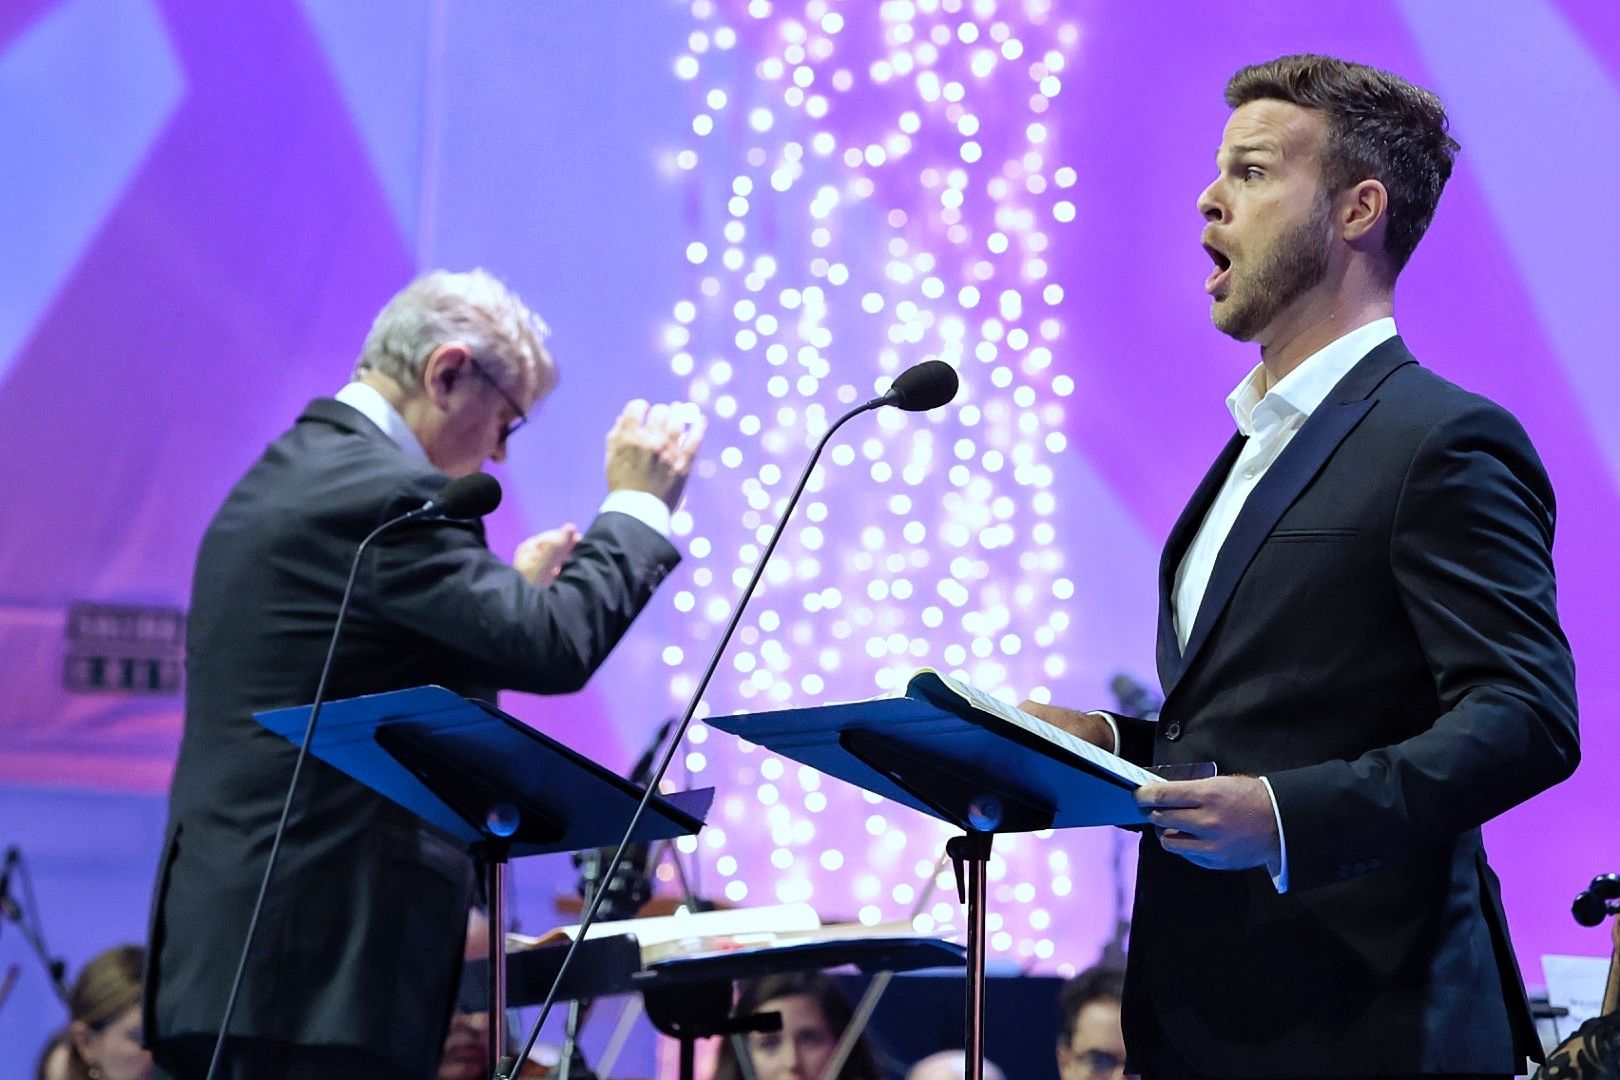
[1379, 127]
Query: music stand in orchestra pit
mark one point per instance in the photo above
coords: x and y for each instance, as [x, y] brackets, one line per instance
[979, 768]
[490, 781]
[689, 996]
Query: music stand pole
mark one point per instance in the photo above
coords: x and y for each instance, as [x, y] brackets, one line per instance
[972, 852]
[494, 853]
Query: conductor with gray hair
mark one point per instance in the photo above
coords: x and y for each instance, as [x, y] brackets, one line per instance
[358, 952]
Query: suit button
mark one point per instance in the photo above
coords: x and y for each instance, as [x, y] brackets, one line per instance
[1172, 730]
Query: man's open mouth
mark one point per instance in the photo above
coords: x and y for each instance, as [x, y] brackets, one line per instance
[1215, 284]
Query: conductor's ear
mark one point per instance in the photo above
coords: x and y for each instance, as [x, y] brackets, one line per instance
[444, 368]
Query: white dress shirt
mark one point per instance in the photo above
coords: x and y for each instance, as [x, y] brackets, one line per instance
[1269, 419]
[369, 403]
[644, 506]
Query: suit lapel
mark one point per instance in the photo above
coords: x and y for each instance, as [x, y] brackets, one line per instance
[1285, 480]
[1175, 547]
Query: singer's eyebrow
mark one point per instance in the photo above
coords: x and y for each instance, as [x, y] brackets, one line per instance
[1248, 150]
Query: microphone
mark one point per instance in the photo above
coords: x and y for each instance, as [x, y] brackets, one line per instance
[465, 497]
[643, 766]
[33, 933]
[8, 906]
[630, 887]
[1597, 900]
[470, 496]
[1135, 699]
[919, 388]
[13, 973]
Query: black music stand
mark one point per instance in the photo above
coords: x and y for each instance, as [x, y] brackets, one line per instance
[490, 781]
[689, 997]
[939, 753]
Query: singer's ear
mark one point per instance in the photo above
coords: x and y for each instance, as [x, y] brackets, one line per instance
[445, 366]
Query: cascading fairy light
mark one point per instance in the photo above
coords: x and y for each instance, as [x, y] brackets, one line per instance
[868, 186]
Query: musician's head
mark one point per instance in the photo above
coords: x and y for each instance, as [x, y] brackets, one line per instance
[951, 1065]
[1091, 1043]
[815, 1013]
[105, 1004]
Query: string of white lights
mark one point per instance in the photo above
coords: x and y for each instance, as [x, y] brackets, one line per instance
[871, 185]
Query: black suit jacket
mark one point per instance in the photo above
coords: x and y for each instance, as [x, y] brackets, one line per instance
[1379, 638]
[361, 939]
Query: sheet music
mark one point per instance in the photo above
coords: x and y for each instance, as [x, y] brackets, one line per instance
[758, 922]
[934, 684]
[709, 933]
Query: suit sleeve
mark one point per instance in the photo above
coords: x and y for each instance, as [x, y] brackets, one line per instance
[1471, 556]
[441, 582]
[1135, 737]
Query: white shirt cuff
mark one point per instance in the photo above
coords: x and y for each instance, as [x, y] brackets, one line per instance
[1112, 726]
[644, 506]
[1280, 878]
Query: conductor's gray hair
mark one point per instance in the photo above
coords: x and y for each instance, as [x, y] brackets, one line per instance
[473, 308]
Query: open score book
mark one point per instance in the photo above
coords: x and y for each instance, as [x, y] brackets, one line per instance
[946, 749]
[953, 695]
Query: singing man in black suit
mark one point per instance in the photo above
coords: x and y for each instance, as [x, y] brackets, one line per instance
[1357, 624]
[358, 953]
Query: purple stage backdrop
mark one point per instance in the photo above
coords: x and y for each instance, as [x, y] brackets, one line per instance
[768, 207]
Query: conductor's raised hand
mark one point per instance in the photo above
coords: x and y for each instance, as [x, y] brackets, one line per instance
[1223, 823]
[651, 448]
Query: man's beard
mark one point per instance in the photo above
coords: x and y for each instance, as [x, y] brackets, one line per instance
[1296, 263]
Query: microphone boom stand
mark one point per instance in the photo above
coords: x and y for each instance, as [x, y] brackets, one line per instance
[28, 923]
[508, 1068]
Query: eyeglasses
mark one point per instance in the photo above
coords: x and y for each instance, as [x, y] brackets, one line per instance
[522, 417]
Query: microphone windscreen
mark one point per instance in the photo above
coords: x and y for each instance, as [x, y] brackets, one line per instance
[470, 496]
[1588, 909]
[1135, 697]
[1123, 686]
[924, 386]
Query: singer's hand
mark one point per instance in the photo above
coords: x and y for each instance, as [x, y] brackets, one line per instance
[1223, 823]
[1088, 726]
[651, 448]
[539, 558]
